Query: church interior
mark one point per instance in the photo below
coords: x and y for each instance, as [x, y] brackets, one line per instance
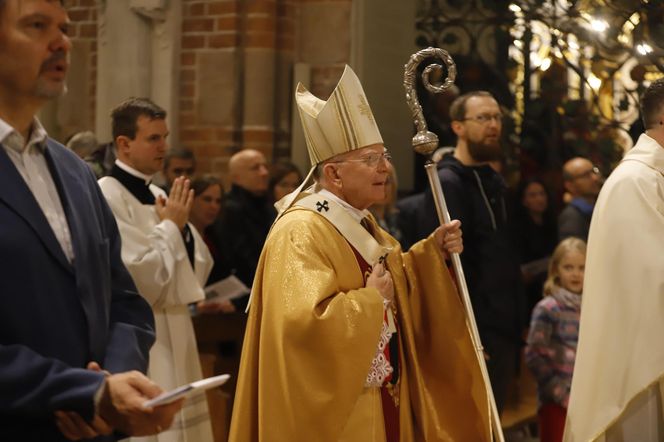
[566, 73]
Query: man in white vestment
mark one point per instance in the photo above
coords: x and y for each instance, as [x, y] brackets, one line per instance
[166, 257]
[616, 389]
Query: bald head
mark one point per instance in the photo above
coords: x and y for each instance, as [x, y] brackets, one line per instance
[248, 169]
[581, 178]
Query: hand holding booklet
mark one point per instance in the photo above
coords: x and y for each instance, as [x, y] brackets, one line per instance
[186, 390]
[226, 289]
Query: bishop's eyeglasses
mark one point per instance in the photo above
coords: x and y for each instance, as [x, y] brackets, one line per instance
[371, 159]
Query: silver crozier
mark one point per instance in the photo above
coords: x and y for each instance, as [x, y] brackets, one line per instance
[426, 143]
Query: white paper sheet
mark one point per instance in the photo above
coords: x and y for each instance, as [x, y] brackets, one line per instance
[187, 390]
[225, 290]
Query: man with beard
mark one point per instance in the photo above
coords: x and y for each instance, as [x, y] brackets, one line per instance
[475, 195]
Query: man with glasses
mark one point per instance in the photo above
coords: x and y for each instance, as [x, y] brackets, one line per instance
[582, 181]
[348, 338]
[475, 195]
[618, 374]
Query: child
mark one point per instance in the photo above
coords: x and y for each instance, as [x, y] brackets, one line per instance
[554, 332]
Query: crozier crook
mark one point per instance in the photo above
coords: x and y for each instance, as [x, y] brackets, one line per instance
[426, 143]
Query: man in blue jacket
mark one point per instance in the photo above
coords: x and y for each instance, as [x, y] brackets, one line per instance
[74, 334]
[475, 194]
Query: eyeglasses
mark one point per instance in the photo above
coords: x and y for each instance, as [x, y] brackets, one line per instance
[593, 171]
[485, 118]
[370, 160]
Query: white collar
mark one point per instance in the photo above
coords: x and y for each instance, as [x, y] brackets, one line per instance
[356, 213]
[38, 135]
[130, 170]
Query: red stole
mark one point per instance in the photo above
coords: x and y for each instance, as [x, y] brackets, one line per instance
[390, 403]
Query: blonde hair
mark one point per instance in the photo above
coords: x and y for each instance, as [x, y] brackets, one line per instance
[563, 248]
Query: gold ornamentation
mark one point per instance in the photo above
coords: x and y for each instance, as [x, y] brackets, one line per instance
[364, 108]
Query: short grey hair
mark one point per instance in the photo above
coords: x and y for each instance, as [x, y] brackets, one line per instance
[83, 143]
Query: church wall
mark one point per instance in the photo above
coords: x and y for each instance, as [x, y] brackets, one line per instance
[235, 72]
[238, 60]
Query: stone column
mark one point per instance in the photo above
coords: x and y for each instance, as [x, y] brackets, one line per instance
[383, 37]
[138, 55]
[258, 82]
[323, 42]
[165, 78]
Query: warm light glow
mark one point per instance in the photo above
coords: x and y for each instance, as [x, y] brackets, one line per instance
[631, 23]
[598, 25]
[518, 44]
[514, 8]
[594, 82]
[652, 76]
[535, 59]
[546, 64]
[643, 48]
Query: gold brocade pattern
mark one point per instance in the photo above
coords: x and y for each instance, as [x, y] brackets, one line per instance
[312, 333]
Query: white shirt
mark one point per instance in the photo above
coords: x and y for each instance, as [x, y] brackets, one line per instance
[31, 164]
[357, 214]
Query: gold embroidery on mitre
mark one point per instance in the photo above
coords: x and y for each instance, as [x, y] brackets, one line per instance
[349, 126]
[364, 108]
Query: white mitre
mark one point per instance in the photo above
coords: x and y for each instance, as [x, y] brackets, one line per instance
[342, 123]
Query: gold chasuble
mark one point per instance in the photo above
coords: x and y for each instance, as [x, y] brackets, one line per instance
[313, 330]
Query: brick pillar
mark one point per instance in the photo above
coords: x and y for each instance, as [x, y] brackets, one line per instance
[209, 68]
[236, 77]
[322, 48]
[259, 40]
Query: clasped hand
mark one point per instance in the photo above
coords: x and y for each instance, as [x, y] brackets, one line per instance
[178, 205]
[381, 279]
